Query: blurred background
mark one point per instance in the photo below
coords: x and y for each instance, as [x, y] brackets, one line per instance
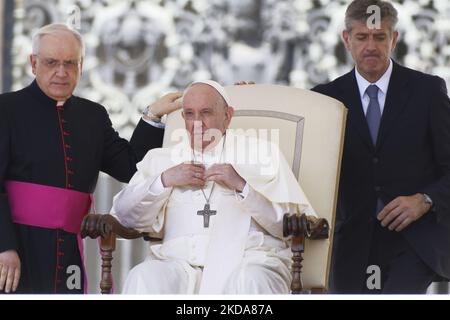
[137, 50]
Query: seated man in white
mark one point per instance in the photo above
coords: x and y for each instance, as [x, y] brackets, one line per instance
[219, 207]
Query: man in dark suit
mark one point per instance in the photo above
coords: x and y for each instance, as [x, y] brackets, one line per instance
[392, 232]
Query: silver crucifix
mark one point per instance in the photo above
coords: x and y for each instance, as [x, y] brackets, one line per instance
[206, 213]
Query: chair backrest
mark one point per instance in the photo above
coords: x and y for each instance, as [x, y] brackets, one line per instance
[311, 130]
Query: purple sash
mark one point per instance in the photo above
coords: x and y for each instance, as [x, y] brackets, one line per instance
[49, 207]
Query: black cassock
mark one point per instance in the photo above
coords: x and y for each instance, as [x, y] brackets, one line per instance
[65, 147]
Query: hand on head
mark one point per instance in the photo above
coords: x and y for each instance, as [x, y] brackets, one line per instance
[244, 82]
[166, 104]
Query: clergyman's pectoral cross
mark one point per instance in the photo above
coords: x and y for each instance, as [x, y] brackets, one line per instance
[206, 213]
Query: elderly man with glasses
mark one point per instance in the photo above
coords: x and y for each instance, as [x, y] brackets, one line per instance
[52, 147]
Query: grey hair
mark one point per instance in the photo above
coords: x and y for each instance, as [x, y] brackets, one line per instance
[53, 29]
[357, 11]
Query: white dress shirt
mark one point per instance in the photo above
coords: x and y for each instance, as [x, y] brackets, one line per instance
[382, 84]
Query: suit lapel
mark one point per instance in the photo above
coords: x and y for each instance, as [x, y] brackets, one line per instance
[352, 100]
[395, 102]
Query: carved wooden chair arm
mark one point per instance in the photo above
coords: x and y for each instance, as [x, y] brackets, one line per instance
[103, 225]
[318, 228]
[302, 227]
[108, 228]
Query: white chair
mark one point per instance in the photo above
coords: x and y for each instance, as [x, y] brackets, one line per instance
[311, 130]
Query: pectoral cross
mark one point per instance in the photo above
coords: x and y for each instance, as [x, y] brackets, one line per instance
[206, 213]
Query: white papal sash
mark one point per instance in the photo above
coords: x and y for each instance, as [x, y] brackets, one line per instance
[226, 247]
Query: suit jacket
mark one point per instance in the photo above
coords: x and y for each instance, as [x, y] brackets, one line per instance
[412, 155]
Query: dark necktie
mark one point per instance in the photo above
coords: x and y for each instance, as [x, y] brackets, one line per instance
[373, 115]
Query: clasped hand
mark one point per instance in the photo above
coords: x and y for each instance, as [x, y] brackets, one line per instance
[195, 175]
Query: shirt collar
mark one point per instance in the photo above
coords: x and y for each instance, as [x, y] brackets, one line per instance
[41, 96]
[382, 83]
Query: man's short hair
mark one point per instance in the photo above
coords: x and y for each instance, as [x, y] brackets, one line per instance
[53, 29]
[357, 11]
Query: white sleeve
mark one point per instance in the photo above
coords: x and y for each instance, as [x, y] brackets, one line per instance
[141, 204]
[157, 187]
[243, 194]
[267, 214]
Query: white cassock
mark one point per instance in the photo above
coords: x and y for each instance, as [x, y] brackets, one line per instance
[242, 251]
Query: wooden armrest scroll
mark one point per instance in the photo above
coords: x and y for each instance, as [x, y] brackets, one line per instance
[107, 227]
[302, 227]
[103, 225]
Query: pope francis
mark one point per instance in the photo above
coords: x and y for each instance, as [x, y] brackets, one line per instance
[218, 200]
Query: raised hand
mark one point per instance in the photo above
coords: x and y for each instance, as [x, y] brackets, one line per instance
[243, 82]
[166, 104]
